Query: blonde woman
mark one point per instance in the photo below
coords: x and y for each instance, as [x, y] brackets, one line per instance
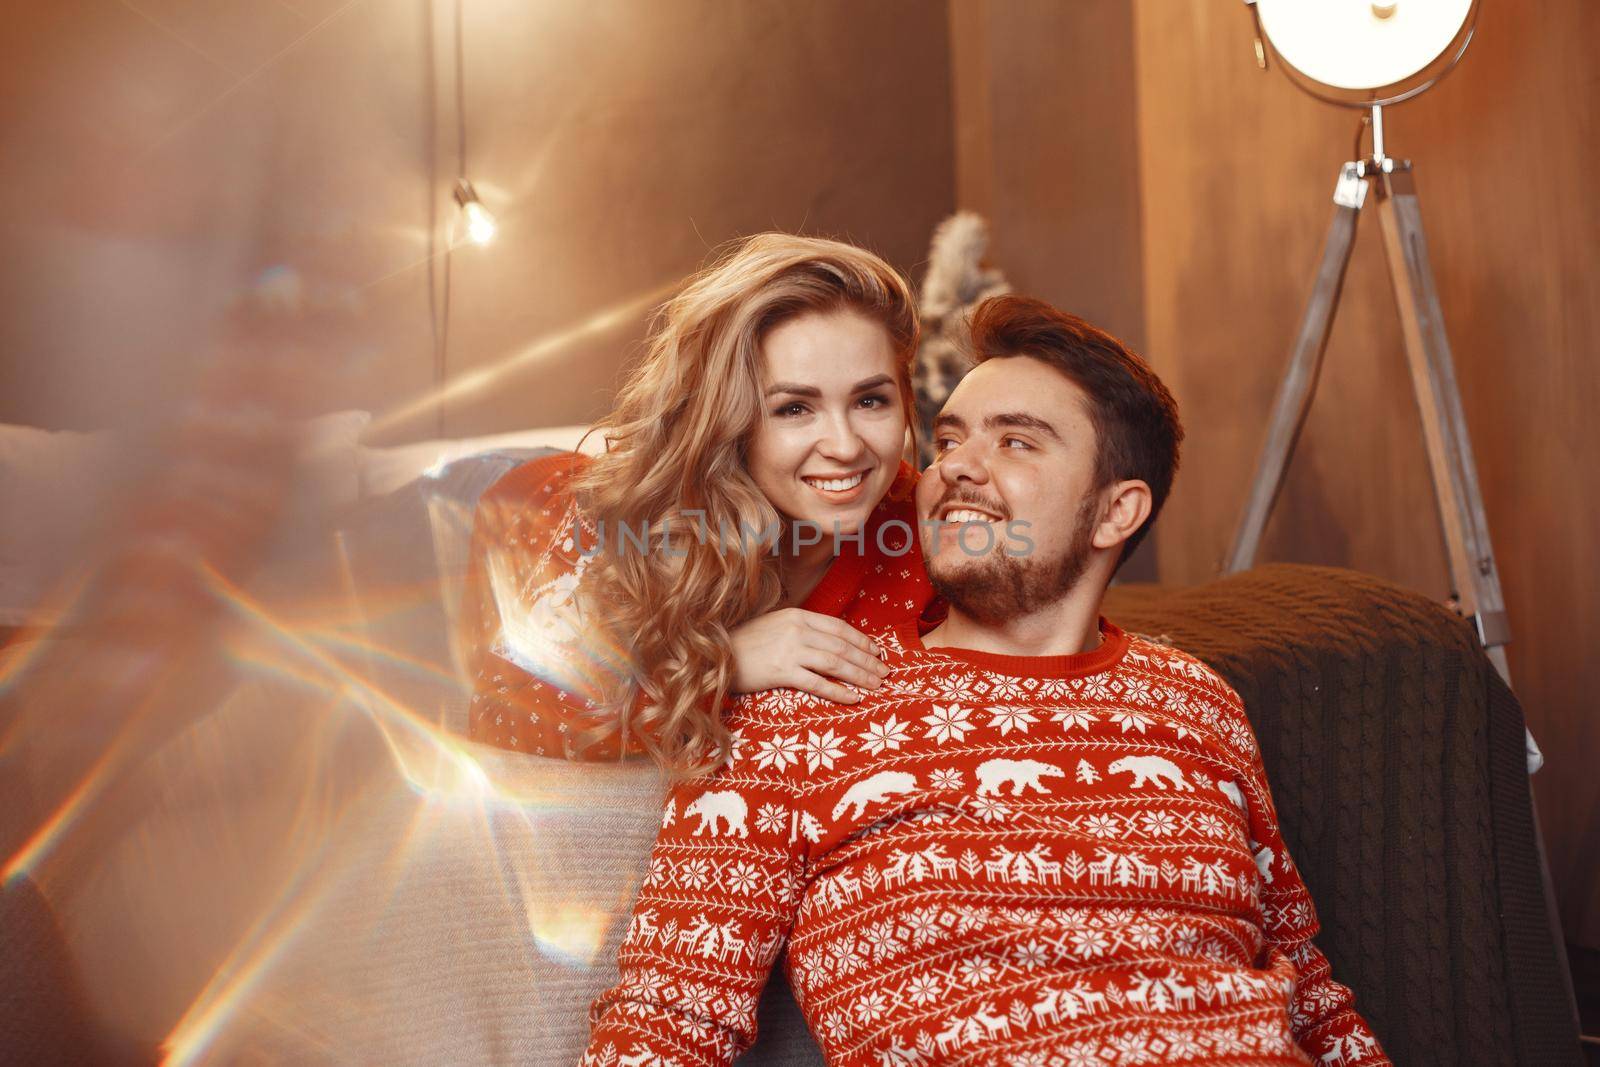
[750, 517]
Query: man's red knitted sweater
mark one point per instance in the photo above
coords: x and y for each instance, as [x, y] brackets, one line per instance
[535, 669]
[1052, 860]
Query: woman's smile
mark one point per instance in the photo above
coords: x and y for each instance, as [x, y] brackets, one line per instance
[838, 489]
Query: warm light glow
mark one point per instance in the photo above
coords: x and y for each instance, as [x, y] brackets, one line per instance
[542, 348]
[1361, 44]
[478, 222]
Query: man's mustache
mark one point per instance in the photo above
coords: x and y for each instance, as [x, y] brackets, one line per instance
[978, 503]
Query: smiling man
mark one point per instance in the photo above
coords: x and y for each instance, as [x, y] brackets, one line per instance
[1041, 840]
[1061, 432]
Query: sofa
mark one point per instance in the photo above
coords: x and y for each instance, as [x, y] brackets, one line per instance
[379, 890]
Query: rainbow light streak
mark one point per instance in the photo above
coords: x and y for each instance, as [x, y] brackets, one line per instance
[477, 380]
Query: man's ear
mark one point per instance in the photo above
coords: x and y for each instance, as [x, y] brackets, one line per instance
[1127, 505]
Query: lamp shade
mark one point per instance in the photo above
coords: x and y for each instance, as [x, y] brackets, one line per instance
[1367, 51]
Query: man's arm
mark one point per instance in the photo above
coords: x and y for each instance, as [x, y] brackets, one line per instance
[719, 900]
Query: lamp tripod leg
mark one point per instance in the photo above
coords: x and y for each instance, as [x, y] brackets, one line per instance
[1299, 383]
[1474, 575]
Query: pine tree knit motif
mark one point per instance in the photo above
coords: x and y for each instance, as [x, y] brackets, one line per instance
[536, 672]
[1066, 861]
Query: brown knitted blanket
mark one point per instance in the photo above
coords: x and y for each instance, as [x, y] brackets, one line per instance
[1396, 760]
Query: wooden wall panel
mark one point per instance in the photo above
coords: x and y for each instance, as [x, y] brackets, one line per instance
[152, 165]
[1237, 169]
[1047, 149]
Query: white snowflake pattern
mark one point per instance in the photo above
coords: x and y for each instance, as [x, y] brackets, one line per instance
[695, 874]
[1133, 1047]
[956, 687]
[1142, 935]
[1082, 1054]
[822, 749]
[1070, 717]
[949, 722]
[1129, 718]
[885, 736]
[946, 778]
[778, 752]
[970, 917]
[1090, 944]
[975, 970]
[1012, 717]
[1228, 1039]
[1159, 823]
[1183, 1044]
[879, 939]
[922, 925]
[742, 879]
[1004, 687]
[1240, 736]
[1032, 954]
[772, 819]
[989, 809]
[870, 1008]
[647, 981]
[1323, 996]
[1267, 1036]
[1102, 825]
[923, 989]
[696, 997]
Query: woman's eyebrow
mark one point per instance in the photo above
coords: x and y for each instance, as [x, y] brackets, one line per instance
[796, 389]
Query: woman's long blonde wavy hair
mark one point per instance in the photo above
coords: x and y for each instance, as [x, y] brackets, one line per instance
[676, 442]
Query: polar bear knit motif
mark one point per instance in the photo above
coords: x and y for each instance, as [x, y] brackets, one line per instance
[1152, 769]
[878, 788]
[724, 806]
[1021, 773]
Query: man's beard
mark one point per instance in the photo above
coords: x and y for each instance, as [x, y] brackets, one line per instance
[997, 587]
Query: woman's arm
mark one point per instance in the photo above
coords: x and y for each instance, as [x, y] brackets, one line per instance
[720, 899]
[536, 676]
[535, 680]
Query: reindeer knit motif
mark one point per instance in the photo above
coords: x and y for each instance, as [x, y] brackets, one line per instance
[1070, 861]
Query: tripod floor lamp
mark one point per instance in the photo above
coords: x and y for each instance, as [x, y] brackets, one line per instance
[1371, 55]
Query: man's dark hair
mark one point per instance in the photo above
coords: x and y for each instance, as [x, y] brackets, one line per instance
[1135, 419]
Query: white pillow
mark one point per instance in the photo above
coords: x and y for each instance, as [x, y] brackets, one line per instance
[330, 456]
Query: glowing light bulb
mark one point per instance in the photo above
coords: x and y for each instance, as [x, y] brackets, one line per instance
[1361, 45]
[476, 219]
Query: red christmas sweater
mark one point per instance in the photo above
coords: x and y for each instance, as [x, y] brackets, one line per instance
[535, 671]
[1068, 860]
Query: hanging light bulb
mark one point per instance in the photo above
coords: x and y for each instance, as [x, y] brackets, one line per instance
[476, 220]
